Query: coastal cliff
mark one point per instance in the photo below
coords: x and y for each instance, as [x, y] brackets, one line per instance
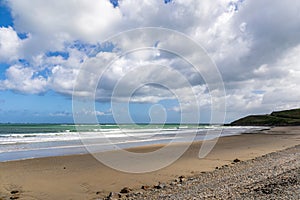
[278, 118]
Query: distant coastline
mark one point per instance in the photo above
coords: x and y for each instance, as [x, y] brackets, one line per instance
[276, 118]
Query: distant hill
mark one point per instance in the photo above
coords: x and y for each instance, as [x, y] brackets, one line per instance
[278, 118]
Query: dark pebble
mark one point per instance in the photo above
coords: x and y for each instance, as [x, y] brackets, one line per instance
[14, 192]
[145, 187]
[159, 186]
[125, 190]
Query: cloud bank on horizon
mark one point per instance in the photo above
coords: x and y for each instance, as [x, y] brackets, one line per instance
[255, 45]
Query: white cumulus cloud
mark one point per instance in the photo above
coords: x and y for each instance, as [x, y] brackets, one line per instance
[10, 45]
[255, 45]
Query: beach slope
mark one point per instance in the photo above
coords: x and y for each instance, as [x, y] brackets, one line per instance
[83, 177]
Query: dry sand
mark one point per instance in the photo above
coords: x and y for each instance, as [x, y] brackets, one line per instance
[83, 177]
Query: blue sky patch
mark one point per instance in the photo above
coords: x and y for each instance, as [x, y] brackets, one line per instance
[3, 68]
[22, 36]
[5, 16]
[115, 3]
[64, 55]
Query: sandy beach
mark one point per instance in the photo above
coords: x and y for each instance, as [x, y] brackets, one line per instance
[84, 177]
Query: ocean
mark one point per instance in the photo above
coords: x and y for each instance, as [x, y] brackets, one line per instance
[26, 141]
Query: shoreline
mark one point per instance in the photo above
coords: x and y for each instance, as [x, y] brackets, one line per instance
[76, 147]
[83, 177]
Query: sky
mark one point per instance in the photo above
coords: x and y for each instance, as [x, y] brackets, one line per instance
[52, 52]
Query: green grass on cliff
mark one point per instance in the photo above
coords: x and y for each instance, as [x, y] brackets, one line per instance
[278, 118]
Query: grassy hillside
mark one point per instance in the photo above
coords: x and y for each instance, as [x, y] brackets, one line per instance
[278, 118]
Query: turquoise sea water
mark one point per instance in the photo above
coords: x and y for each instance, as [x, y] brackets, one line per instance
[24, 141]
